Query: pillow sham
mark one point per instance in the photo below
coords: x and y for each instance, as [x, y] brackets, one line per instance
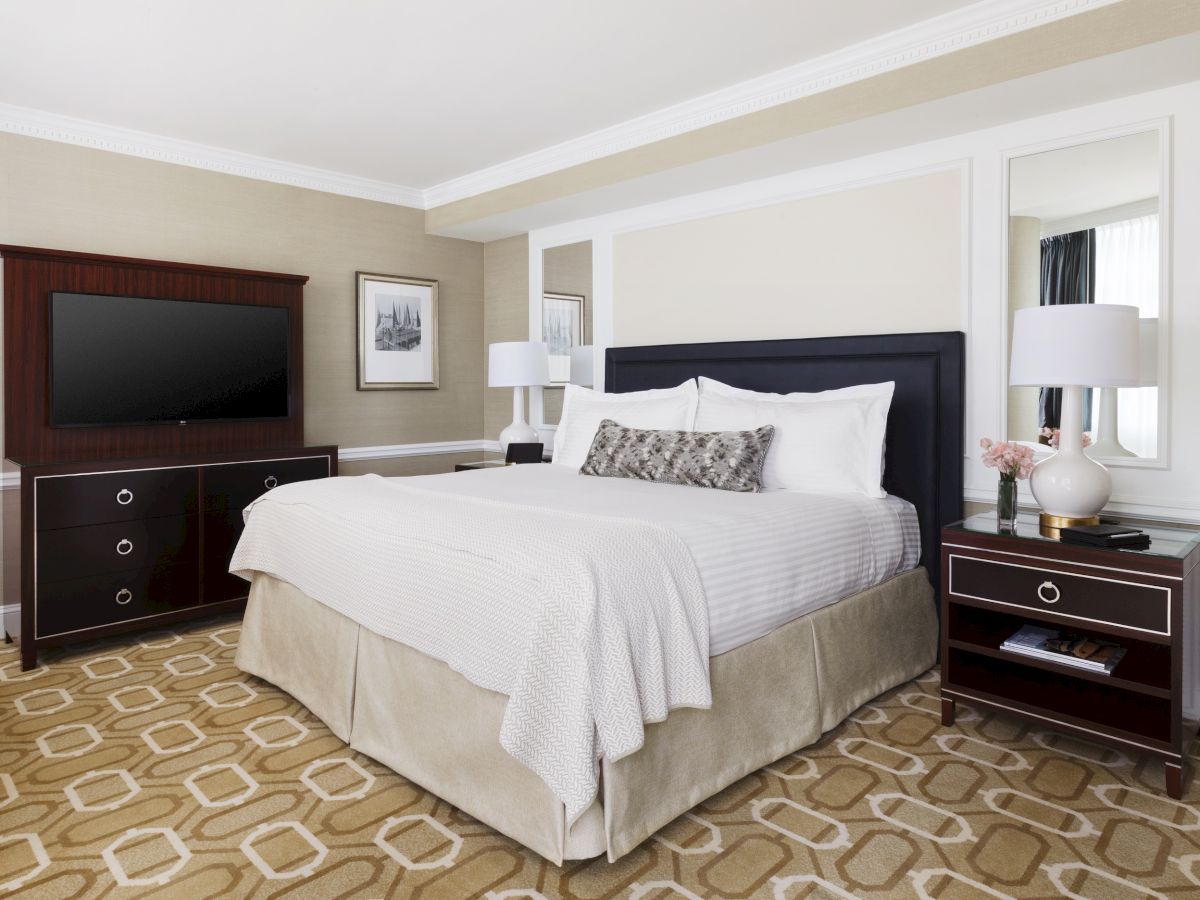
[881, 391]
[827, 447]
[881, 394]
[666, 409]
[723, 460]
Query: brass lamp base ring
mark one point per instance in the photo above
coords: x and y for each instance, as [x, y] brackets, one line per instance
[1051, 526]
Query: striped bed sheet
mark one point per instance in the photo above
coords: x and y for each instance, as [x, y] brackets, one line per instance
[764, 559]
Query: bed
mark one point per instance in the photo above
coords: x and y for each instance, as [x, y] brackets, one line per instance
[812, 606]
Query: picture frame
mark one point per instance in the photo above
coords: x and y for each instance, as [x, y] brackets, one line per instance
[397, 332]
[562, 329]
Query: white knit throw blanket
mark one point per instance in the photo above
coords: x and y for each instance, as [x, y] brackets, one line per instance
[592, 626]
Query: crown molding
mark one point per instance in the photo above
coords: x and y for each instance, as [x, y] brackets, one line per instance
[956, 30]
[65, 129]
[948, 33]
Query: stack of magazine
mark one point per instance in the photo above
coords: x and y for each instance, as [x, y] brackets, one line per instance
[1068, 649]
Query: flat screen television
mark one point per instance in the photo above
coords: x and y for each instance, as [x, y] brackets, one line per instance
[133, 360]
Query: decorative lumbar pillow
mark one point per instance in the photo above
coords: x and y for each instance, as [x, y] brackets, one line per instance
[668, 409]
[725, 460]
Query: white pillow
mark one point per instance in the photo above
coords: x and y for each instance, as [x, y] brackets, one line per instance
[827, 442]
[667, 409]
[883, 391]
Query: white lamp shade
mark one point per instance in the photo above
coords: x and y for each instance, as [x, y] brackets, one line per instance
[1083, 344]
[518, 364]
[1147, 352]
[582, 363]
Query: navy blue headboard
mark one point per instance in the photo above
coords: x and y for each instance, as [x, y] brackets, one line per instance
[925, 425]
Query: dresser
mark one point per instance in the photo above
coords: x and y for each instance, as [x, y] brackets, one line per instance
[117, 545]
[995, 581]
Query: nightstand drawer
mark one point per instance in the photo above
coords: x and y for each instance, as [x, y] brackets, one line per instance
[1088, 598]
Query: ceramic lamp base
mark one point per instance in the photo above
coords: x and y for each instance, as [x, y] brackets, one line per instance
[517, 433]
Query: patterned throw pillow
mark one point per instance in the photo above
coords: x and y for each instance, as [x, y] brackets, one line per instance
[725, 460]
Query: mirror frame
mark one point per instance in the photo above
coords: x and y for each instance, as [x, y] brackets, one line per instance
[1162, 127]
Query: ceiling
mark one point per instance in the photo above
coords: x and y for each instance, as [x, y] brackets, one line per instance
[1072, 181]
[412, 94]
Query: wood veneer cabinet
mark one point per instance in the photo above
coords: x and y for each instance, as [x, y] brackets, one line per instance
[993, 582]
[110, 546]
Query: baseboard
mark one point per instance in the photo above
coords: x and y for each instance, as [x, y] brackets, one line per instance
[394, 451]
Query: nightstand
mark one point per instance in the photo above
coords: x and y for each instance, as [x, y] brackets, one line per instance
[994, 582]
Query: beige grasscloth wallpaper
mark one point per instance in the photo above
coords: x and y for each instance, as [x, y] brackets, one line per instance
[506, 318]
[75, 198]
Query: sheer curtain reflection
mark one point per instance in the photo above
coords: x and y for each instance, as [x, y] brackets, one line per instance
[1127, 270]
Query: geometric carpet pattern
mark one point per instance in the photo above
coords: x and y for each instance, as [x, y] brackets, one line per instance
[150, 766]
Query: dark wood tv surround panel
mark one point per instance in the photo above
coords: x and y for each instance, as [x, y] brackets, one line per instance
[132, 526]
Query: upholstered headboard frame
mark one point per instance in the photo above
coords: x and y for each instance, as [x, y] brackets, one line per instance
[925, 425]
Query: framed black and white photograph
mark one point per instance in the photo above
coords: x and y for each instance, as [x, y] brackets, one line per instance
[397, 332]
[562, 329]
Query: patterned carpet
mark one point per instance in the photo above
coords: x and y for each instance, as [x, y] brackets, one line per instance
[151, 767]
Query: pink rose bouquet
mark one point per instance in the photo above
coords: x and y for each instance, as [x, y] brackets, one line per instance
[1051, 436]
[1013, 460]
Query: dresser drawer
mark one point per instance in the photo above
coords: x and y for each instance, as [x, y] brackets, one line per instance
[64, 501]
[67, 553]
[1088, 598]
[233, 487]
[66, 606]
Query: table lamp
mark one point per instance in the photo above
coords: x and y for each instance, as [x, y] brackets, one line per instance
[1073, 346]
[1107, 443]
[518, 364]
[582, 372]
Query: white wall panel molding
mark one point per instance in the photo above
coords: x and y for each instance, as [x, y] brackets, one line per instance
[1171, 493]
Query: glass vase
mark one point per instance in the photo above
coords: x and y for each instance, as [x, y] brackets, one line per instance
[1006, 504]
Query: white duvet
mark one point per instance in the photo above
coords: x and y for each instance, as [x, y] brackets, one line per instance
[592, 603]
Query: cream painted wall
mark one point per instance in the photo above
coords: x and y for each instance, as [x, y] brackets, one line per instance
[73, 198]
[505, 318]
[567, 270]
[878, 259]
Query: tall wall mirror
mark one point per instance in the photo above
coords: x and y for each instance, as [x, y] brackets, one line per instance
[1087, 224]
[566, 321]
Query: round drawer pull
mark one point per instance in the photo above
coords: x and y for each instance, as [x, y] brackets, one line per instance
[124, 547]
[1048, 592]
[270, 481]
[124, 496]
[124, 595]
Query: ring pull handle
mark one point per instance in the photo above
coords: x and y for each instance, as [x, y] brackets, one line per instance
[1048, 592]
[124, 595]
[124, 547]
[270, 481]
[124, 496]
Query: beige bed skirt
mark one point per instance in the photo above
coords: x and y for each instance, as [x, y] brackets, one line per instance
[414, 714]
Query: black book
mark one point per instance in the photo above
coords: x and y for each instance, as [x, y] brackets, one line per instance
[1106, 536]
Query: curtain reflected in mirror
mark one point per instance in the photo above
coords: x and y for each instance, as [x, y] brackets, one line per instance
[566, 317]
[1084, 228]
